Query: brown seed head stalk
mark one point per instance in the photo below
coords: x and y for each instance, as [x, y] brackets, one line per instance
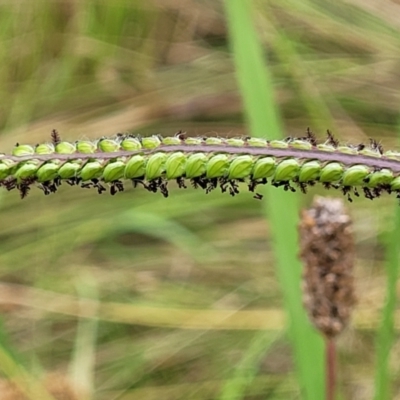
[327, 250]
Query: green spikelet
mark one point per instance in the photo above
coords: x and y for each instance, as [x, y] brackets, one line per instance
[395, 184]
[69, 170]
[26, 171]
[355, 175]
[192, 140]
[135, 167]
[331, 173]
[347, 150]
[264, 168]
[175, 165]
[23, 150]
[171, 140]
[217, 166]
[48, 171]
[240, 167]
[131, 144]
[256, 142]
[114, 171]
[5, 168]
[45, 148]
[91, 170]
[196, 165]
[108, 145]
[151, 142]
[65, 148]
[287, 170]
[377, 178]
[393, 155]
[155, 166]
[325, 147]
[309, 171]
[235, 142]
[278, 144]
[301, 145]
[85, 147]
[213, 141]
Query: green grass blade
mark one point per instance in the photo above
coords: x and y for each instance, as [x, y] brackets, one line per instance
[247, 369]
[257, 90]
[386, 335]
[84, 354]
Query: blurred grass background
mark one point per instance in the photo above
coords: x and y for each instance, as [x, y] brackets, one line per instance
[140, 297]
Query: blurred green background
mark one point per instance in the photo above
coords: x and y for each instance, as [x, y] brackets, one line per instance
[140, 297]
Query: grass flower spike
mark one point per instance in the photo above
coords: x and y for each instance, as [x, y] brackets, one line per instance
[208, 163]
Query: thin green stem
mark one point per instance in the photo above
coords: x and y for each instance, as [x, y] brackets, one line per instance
[386, 334]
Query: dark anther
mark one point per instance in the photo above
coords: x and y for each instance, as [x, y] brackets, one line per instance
[376, 146]
[24, 187]
[331, 139]
[311, 137]
[9, 183]
[72, 181]
[137, 181]
[119, 185]
[233, 187]
[199, 181]
[303, 187]
[368, 194]
[346, 189]
[360, 147]
[163, 187]
[48, 187]
[45, 188]
[181, 182]
[212, 184]
[377, 191]
[181, 135]
[55, 137]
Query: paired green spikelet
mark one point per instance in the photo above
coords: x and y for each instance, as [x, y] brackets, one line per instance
[206, 162]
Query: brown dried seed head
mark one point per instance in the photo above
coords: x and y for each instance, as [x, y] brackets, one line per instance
[327, 251]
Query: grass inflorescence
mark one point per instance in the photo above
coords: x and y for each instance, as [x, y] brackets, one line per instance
[207, 162]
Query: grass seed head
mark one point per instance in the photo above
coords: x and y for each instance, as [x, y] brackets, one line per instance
[327, 251]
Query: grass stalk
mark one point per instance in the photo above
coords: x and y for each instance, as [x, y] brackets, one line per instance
[386, 334]
[256, 87]
[330, 369]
